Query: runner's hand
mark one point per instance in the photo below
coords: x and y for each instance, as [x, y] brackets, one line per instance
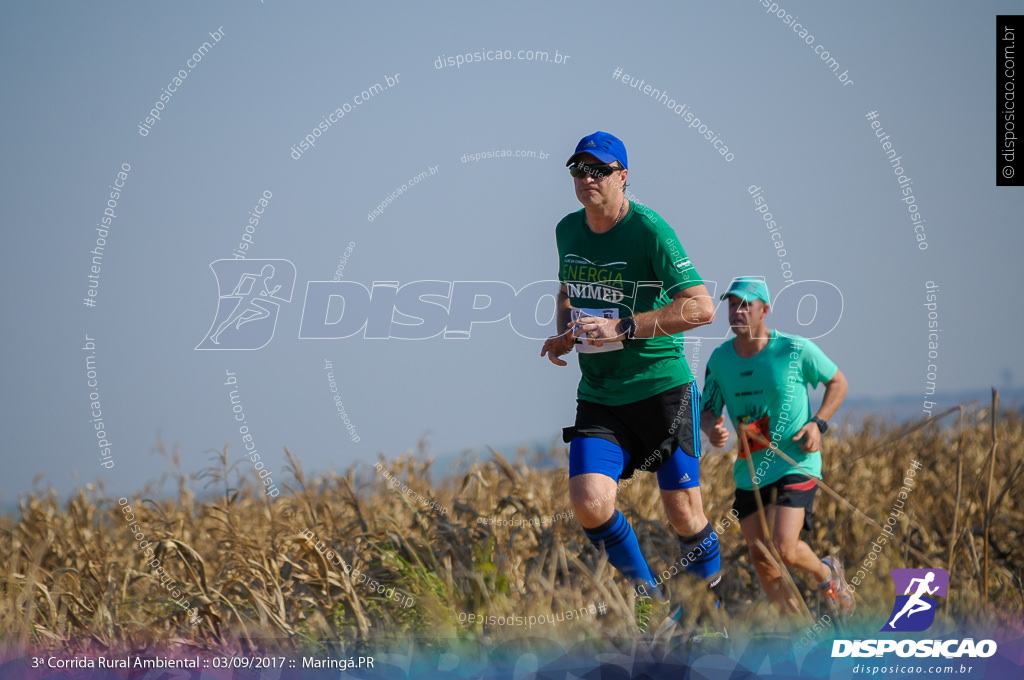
[557, 345]
[596, 330]
[813, 437]
[718, 435]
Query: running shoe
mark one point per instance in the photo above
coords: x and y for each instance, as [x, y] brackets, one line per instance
[838, 598]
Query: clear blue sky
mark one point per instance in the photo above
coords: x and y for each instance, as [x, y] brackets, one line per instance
[81, 78]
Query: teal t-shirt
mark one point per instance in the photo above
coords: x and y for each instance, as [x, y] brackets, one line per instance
[767, 394]
[634, 267]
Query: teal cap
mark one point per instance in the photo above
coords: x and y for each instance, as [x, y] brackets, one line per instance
[748, 289]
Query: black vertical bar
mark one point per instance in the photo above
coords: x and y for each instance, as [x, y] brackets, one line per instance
[1008, 149]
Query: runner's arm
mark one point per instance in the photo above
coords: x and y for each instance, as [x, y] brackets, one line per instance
[563, 310]
[240, 282]
[560, 344]
[690, 308]
[712, 416]
[835, 391]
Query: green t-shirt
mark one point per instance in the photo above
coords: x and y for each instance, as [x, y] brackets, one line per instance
[767, 394]
[634, 267]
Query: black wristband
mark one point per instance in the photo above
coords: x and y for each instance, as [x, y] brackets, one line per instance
[627, 326]
[822, 424]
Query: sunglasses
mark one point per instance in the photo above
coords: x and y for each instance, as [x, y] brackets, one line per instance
[595, 171]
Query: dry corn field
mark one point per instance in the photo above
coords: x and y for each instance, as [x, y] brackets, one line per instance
[72, 578]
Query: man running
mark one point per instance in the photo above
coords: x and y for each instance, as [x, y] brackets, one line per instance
[250, 305]
[628, 293]
[761, 377]
[916, 603]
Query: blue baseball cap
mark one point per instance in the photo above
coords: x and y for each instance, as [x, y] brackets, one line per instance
[603, 146]
[748, 289]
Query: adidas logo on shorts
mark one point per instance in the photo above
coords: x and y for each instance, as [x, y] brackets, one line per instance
[684, 478]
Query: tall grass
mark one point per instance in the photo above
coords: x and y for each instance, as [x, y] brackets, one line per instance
[72, 578]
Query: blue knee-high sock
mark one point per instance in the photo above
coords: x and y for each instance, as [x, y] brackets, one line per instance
[617, 539]
[703, 558]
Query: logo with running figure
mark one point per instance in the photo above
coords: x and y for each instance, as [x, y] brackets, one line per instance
[914, 610]
[250, 293]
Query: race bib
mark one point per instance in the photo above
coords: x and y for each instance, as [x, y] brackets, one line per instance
[581, 346]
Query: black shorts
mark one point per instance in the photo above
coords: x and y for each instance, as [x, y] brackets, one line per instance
[791, 491]
[650, 430]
